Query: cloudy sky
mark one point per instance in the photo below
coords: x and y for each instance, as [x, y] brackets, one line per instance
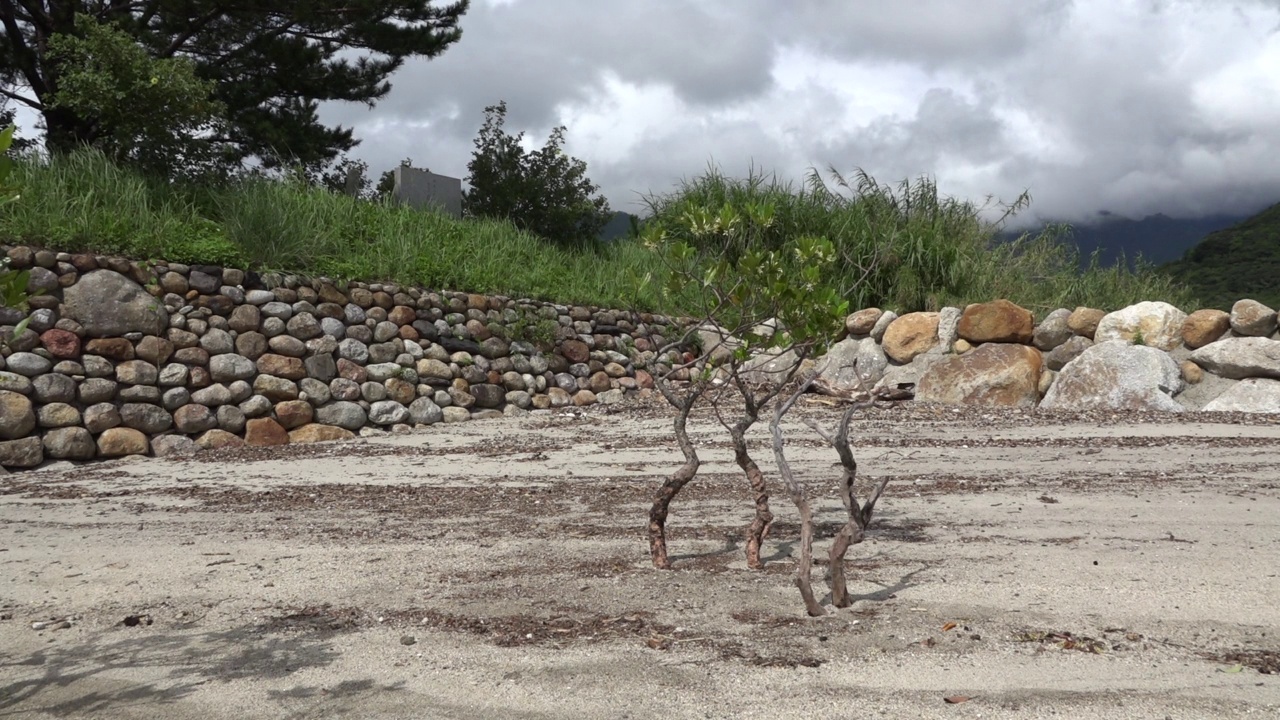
[1128, 106]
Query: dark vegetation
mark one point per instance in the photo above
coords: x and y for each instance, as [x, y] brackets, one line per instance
[1242, 261]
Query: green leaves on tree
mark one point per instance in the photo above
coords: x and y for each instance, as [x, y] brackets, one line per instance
[546, 192]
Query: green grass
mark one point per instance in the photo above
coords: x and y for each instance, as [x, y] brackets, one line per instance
[81, 202]
[925, 250]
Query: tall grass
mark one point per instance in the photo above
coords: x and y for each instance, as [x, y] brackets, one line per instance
[82, 202]
[905, 247]
[911, 248]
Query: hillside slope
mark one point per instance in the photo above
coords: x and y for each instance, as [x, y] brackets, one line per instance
[1242, 261]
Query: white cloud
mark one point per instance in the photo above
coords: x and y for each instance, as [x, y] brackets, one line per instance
[1130, 106]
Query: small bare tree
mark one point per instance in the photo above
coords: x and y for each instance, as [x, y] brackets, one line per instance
[764, 313]
[859, 514]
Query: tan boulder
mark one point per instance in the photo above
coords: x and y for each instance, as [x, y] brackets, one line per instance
[1205, 326]
[121, 441]
[1191, 372]
[293, 413]
[315, 432]
[1047, 377]
[910, 335]
[17, 416]
[861, 322]
[996, 321]
[961, 346]
[216, 439]
[994, 374]
[1084, 321]
[265, 431]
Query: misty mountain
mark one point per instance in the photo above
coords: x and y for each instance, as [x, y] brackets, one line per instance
[1158, 239]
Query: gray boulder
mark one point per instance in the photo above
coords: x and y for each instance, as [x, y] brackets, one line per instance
[150, 419]
[851, 366]
[344, 414]
[1240, 357]
[1053, 330]
[69, 443]
[1254, 395]
[425, 412]
[108, 304]
[1114, 375]
[387, 412]
[230, 367]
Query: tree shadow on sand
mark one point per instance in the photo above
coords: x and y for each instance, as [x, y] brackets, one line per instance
[100, 673]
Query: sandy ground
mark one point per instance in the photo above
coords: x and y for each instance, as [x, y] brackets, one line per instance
[1102, 566]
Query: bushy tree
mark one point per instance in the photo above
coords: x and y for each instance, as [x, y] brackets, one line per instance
[270, 64]
[153, 114]
[546, 192]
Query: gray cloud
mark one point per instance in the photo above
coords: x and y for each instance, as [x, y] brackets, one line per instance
[1131, 106]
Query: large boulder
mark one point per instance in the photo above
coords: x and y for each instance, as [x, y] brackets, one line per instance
[1252, 318]
[121, 441]
[996, 321]
[910, 373]
[1155, 324]
[108, 304]
[24, 453]
[1205, 326]
[1115, 375]
[70, 443]
[1239, 358]
[315, 432]
[772, 367]
[1255, 395]
[911, 335]
[715, 341]
[343, 414]
[1003, 374]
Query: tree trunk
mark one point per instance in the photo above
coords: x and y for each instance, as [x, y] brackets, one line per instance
[681, 477]
[759, 528]
[805, 567]
[797, 492]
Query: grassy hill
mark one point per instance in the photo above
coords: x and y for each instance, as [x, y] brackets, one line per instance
[1242, 261]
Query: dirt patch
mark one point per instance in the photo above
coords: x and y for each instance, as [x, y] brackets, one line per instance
[1031, 562]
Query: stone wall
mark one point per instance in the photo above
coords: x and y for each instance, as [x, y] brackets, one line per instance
[124, 358]
[1149, 356]
[127, 358]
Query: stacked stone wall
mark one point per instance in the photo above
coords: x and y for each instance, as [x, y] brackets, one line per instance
[121, 357]
[1150, 356]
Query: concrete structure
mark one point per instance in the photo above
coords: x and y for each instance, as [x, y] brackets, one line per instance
[423, 189]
